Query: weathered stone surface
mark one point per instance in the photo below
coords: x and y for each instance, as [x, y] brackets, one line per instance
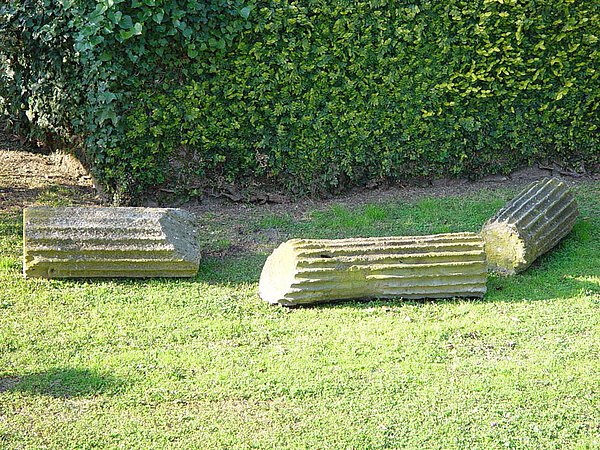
[529, 225]
[70, 242]
[303, 271]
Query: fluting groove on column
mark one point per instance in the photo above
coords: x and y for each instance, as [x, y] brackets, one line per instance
[89, 242]
[529, 225]
[303, 271]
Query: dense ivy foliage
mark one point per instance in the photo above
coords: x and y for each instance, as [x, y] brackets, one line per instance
[311, 93]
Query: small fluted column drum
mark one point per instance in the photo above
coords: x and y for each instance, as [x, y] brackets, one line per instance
[529, 225]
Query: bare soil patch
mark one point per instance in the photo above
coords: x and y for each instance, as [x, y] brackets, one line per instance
[29, 176]
[222, 220]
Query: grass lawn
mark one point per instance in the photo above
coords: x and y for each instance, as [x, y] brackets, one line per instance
[204, 363]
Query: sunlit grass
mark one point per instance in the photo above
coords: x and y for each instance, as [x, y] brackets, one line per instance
[204, 363]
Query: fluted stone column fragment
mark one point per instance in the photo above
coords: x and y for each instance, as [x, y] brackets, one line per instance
[529, 225]
[303, 271]
[90, 242]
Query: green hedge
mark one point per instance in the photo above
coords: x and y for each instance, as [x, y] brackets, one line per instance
[312, 94]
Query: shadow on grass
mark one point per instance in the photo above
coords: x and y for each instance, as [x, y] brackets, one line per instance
[14, 199]
[62, 383]
[568, 287]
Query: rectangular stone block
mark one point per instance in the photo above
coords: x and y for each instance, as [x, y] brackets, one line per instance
[92, 242]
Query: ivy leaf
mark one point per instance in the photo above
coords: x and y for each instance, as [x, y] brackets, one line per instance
[192, 52]
[133, 31]
[245, 12]
[126, 23]
[95, 40]
[158, 16]
[107, 114]
[115, 16]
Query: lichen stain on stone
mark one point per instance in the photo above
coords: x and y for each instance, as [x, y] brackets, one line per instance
[504, 248]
